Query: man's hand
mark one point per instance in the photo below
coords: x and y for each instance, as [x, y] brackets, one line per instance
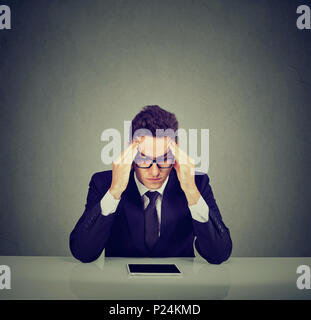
[121, 168]
[184, 166]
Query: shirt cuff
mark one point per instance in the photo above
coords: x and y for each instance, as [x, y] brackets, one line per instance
[200, 210]
[108, 204]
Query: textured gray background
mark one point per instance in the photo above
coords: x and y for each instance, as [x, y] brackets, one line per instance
[70, 69]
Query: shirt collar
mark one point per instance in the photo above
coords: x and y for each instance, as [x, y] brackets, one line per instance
[143, 189]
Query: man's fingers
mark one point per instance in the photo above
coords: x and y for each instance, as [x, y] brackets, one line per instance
[132, 153]
[128, 155]
[178, 153]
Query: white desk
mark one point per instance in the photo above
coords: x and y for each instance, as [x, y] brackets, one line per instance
[238, 278]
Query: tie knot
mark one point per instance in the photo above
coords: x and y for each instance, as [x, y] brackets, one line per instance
[152, 195]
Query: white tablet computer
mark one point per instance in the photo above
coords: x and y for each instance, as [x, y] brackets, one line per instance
[153, 269]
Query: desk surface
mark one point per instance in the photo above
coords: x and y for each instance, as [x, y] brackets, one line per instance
[107, 278]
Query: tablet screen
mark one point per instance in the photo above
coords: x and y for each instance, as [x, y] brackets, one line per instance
[154, 268]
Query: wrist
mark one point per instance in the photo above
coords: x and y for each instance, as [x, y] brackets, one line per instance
[115, 193]
[193, 196]
[189, 186]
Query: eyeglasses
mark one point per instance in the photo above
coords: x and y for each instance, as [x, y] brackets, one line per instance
[163, 162]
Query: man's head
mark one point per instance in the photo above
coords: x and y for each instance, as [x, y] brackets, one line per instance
[155, 145]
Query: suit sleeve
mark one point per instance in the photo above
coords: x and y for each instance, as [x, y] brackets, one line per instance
[213, 241]
[91, 233]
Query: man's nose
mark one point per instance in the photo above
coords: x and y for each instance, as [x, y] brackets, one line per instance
[154, 170]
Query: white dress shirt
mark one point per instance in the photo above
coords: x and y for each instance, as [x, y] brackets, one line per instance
[199, 211]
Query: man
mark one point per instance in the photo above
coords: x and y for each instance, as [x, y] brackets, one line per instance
[151, 204]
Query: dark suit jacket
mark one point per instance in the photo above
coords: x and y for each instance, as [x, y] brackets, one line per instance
[121, 234]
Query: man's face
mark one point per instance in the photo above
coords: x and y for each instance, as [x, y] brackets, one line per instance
[152, 147]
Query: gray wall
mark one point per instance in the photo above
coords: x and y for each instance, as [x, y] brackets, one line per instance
[70, 69]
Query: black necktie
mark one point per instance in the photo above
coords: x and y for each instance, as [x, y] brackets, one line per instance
[151, 220]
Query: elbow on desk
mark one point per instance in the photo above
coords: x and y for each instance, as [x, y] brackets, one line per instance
[217, 255]
[85, 259]
[216, 260]
[80, 253]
